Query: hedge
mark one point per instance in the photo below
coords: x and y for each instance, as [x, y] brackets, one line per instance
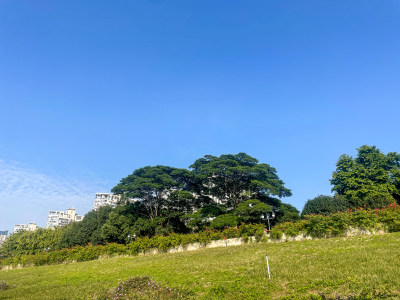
[338, 223]
[140, 245]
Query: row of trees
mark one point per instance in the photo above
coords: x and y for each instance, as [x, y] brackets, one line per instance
[227, 180]
[371, 179]
[215, 192]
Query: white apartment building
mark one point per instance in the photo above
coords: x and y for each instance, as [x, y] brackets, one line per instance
[61, 218]
[3, 237]
[30, 227]
[103, 199]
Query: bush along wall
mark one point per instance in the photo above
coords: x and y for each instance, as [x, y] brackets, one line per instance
[338, 224]
[315, 226]
[139, 246]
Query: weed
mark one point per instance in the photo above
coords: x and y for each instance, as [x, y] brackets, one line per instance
[142, 287]
[4, 285]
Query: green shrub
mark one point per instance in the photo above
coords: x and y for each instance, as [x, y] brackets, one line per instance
[313, 225]
[167, 242]
[389, 217]
[276, 232]
[337, 224]
[224, 221]
[293, 229]
[231, 232]
[318, 226]
[206, 236]
[110, 249]
[256, 230]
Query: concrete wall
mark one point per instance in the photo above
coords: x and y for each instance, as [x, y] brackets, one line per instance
[349, 232]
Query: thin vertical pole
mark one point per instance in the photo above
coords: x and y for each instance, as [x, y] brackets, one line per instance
[269, 274]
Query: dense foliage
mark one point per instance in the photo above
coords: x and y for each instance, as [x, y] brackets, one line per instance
[153, 187]
[252, 210]
[31, 242]
[324, 205]
[234, 178]
[217, 193]
[364, 267]
[371, 178]
[336, 224]
[139, 245]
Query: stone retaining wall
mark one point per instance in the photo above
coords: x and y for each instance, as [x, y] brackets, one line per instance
[348, 233]
[239, 241]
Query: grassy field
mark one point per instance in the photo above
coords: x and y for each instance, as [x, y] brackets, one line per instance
[340, 268]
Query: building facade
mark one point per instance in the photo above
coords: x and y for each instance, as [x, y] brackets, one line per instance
[103, 199]
[30, 227]
[3, 237]
[61, 218]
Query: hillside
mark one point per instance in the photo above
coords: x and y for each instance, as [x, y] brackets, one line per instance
[357, 266]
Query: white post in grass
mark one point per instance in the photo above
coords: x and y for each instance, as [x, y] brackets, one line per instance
[266, 256]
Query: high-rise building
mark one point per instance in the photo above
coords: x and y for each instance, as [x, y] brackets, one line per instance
[30, 227]
[61, 218]
[103, 199]
[3, 236]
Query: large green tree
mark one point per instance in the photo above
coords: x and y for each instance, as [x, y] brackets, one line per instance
[117, 228]
[252, 211]
[371, 178]
[86, 231]
[234, 178]
[325, 205]
[153, 185]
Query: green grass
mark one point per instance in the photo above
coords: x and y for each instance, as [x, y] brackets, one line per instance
[367, 266]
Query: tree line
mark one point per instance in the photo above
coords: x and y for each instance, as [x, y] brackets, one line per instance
[216, 193]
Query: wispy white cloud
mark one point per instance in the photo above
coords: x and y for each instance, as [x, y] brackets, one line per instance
[27, 195]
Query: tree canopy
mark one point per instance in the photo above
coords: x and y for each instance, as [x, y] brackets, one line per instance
[152, 186]
[252, 210]
[234, 178]
[371, 178]
[324, 204]
[216, 192]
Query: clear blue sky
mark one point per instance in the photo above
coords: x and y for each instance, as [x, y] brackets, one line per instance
[91, 90]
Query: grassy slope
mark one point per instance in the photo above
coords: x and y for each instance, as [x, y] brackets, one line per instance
[299, 269]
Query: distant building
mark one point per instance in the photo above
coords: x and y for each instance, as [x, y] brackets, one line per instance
[30, 227]
[61, 218]
[3, 236]
[103, 199]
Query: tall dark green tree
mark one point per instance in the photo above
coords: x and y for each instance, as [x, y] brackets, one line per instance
[235, 178]
[153, 186]
[325, 205]
[117, 228]
[286, 213]
[120, 221]
[371, 178]
[88, 230]
[252, 211]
